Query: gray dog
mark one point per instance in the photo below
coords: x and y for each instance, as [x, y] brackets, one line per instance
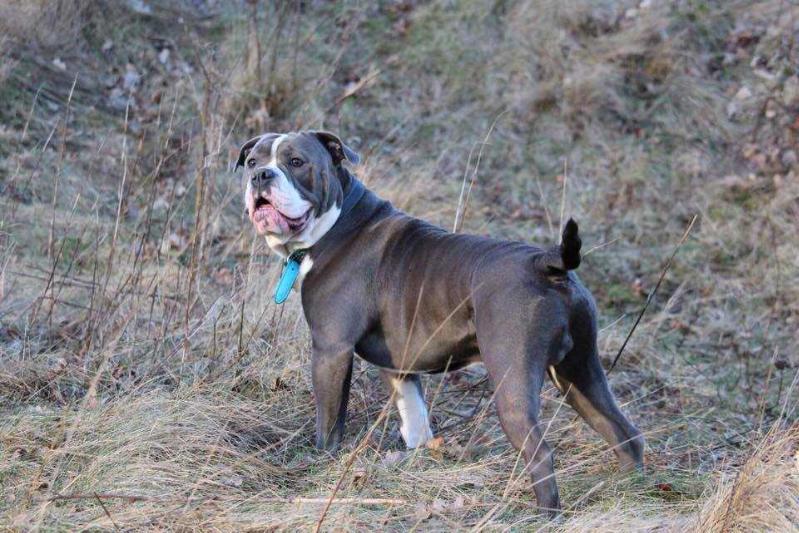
[413, 298]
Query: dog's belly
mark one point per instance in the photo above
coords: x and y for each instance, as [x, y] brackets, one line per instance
[423, 355]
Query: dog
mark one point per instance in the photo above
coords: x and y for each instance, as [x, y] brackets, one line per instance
[412, 299]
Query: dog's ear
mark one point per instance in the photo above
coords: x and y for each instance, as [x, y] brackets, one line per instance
[338, 150]
[245, 151]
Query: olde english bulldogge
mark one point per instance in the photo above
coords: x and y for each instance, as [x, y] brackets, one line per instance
[412, 298]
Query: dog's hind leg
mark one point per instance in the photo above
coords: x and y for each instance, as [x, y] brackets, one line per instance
[516, 364]
[407, 391]
[589, 394]
[581, 377]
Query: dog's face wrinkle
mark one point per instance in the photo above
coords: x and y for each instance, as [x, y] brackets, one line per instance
[299, 177]
[314, 186]
[313, 178]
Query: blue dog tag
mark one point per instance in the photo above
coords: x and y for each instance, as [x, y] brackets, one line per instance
[291, 269]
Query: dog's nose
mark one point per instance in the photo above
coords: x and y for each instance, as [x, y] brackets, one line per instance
[262, 177]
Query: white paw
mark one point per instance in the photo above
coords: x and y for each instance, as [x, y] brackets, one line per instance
[418, 436]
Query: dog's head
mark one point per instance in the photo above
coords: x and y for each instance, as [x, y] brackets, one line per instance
[292, 184]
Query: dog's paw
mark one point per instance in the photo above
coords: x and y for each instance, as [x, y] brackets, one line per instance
[416, 437]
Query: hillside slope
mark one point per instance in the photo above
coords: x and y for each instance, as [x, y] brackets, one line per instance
[148, 381]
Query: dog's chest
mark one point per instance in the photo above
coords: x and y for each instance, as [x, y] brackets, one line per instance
[305, 267]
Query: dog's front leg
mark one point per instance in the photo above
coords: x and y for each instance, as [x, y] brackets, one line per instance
[332, 373]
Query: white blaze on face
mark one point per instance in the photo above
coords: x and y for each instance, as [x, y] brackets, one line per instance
[283, 194]
[415, 427]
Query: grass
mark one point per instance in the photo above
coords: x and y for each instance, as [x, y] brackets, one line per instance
[147, 381]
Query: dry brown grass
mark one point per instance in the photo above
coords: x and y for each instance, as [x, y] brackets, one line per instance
[762, 494]
[148, 382]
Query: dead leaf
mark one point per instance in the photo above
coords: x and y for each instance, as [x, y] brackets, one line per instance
[438, 506]
[235, 481]
[393, 458]
[435, 443]
[458, 504]
[744, 93]
[422, 511]
[224, 276]
[638, 288]
[359, 477]
[356, 86]
[280, 384]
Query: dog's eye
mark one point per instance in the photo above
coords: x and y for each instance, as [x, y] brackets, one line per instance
[251, 163]
[296, 162]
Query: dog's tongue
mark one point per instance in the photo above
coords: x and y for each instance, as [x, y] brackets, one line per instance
[267, 218]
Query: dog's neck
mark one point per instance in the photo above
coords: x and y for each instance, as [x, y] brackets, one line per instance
[322, 225]
[369, 210]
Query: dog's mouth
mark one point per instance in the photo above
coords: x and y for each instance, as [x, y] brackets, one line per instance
[269, 219]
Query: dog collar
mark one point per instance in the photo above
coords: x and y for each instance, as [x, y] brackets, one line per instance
[353, 196]
[291, 269]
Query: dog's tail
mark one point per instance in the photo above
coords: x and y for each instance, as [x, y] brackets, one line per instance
[566, 255]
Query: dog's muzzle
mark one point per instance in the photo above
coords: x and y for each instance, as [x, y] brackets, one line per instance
[267, 218]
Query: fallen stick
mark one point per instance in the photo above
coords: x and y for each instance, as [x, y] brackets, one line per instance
[132, 498]
[652, 294]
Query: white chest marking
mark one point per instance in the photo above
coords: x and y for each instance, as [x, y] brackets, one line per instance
[305, 267]
[415, 427]
[317, 227]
